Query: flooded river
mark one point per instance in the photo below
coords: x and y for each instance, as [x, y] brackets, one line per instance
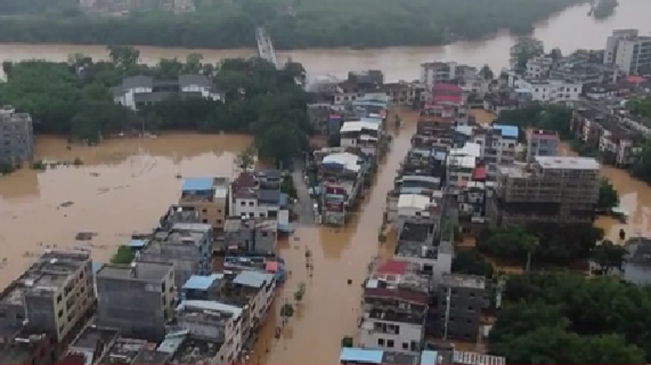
[125, 185]
[568, 30]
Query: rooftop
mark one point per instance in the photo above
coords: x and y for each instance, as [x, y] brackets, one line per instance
[418, 232]
[415, 201]
[91, 336]
[567, 162]
[253, 279]
[359, 355]
[392, 267]
[196, 351]
[475, 358]
[126, 350]
[508, 131]
[210, 307]
[359, 126]
[463, 281]
[344, 160]
[197, 184]
[204, 189]
[639, 251]
[180, 234]
[142, 270]
[202, 282]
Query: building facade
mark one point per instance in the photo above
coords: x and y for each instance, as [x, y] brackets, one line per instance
[138, 91]
[541, 143]
[461, 298]
[208, 197]
[16, 137]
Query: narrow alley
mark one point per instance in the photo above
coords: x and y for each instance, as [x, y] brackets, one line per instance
[329, 310]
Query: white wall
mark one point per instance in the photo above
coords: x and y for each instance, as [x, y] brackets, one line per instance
[369, 338]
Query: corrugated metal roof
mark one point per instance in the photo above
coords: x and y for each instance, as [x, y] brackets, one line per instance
[201, 282]
[362, 356]
[254, 279]
[197, 184]
[137, 243]
[210, 305]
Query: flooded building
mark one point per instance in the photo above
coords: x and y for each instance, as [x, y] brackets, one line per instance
[16, 137]
[473, 201]
[419, 208]
[461, 163]
[254, 197]
[342, 176]
[437, 72]
[138, 91]
[433, 130]
[184, 348]
[138, 299]
[250, 236]
[541, 143]
[461, 299]
[54, 295]
[92, 343]
[362, 135]
[548, 90]
[396, 298]
[637, 264]
[274, 266]
[214, 321]
[208, 197]
[187, 245]
[497, 144]
[418, 243]
[559, 190]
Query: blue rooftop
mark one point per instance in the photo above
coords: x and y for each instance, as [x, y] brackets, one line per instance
[254, 279]
[509, 131]
[96, 266]
[197, 184]
[428, 358]
[201, 282]
[362, 356]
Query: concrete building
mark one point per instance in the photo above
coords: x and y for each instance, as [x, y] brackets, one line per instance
[362, 135]
[138, 299]
[629, 51]
[252, 197]
[185, 348]
[208, 197]
[92, 344]
[211, 320]
[187, 245]
[128, 351]
[138, 91]
[354, 356]
[418, 243]
[461, 299]
[497, 144]
[539, 67]
[16, 137]
[246, 236]
[435, 72]
[54, 295]
[553, 189]
[546, 90]
[541, 143]
[637, 264]
[396, 298]
[21, 346]
[418, 208]
[461, 162]
[178, 214]
[342, 176]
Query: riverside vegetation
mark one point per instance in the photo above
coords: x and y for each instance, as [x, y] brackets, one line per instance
[73, 98]
[310, 23]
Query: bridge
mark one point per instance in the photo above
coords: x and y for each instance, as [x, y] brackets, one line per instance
[265, 46]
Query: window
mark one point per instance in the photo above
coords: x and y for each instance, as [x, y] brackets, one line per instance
[59, 298]
[204, 210]
[405, 346]
[243, 204]
[205, 221]
[380, 342]
[390, 343]
[251, 204]
[60, 314]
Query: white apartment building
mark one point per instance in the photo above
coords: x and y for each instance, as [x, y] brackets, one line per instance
[629, 51]
[544, 90]
[612, 42]
[461, 163]
[360, 134]
[444, 72]
[538, 67]
[497, 144]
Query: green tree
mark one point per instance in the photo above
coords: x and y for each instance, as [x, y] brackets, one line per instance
[470, 261]
[124, 255]
[300, 292]
[608, 197]
[347, 341]
[525, 49]
[286, 312]
[245, 160]
[486, 72]
[125, 57]
[608, 256]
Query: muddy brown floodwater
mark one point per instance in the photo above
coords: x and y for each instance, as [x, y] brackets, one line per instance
[330, 309]
[123, 187]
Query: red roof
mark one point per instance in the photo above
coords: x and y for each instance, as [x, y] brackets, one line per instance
[447, 98]
[634, 79]
[392, 267]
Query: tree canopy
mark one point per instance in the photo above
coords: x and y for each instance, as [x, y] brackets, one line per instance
[608, 197]
[73, 98]
[568, 319]
[525, 49]
[291, 23]
[471, 262]
[548, 117]
[608, 256]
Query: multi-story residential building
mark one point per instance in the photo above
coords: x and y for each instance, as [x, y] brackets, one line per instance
[91, 344]
[447, 94]
[541, 143]
[552, 189]
[546, 90]
[186, 348]
[461, 299]
[208, 197]
[16, 137]
[250, 236]
[251, 197]
[138, 91]
[211, 320]
[367, 77]
[497, 143]
[55, 295]
[177, 214]
[507, 99]
[582, 70]
[636, 268]
[407, 94]
[187, 245]
[396, 301]
[629, 51]
[362, 356]
[420, 208]
[18, 345]
[362, 135]
[350, 91]
[461, 162]
[418, 243]
[138, 299]
[539, 67]
[342, 177]
[435, 72]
